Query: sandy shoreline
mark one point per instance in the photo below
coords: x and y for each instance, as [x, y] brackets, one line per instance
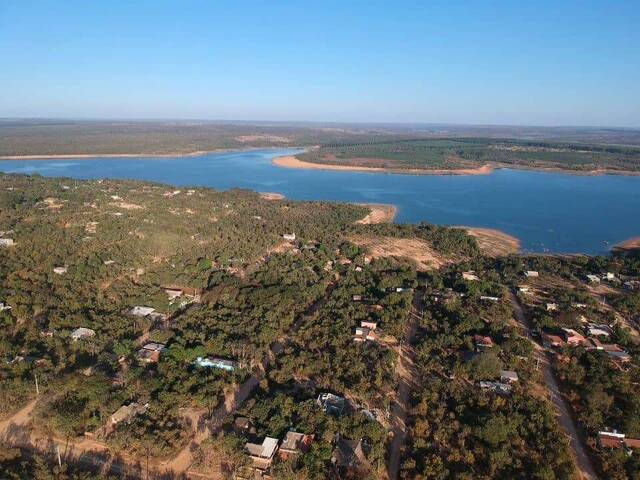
[271, 195]
[494, 243]
[378, 213]
[627, 245]
[291, 161]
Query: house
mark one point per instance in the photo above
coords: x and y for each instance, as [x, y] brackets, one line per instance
[524, 289]
[172, 294]
[593, 278]
[620, 358]
[262, 454]
[293, 444]
[109, 262]
[550, 340]
[349, 456]
[357, 298]
[481, 342]
[127, 413]
[632, 285]
[370, 324]
[610, 439]
[496, 387]
[7, 242]
[572, 337]
[579, 305]
[531, 274]
[609, 276]
[290, 237]
[552, 307]
[4, 307]
[60, 270]
[490, 299]
[151, 352]
[82, 333]
[508, 376]
[470, 276]
[220, 363]
[364, 334]
[331, 403]
[139, 311]
[594, 330]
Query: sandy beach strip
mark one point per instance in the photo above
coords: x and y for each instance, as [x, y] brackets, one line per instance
[494, 243]
[291, 161]
[378, 213]
[272, 196]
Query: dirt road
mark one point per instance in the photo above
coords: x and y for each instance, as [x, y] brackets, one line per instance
[583, 461]
[405, 372]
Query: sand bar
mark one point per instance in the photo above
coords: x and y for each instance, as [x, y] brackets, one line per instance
[494, 243]
[627, 245]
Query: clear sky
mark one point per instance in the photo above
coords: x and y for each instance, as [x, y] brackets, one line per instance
[549, 62]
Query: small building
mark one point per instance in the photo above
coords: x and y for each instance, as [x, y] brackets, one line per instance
[172, 294]
[7, 242]
[60, 270]
[364, 334]
[488, 298]
[593, 278]
[496, 387]
[531, 274]
[552, 307]
[220, 363]
[594, 330]
[470, 276]
[294, 443]
[82, 333]
[290, 237]
[610, 439]
[609, 276]
[331, 403]
[357, 298]
[127, 413]
[262, 454]
[620, 358]
[139, 311]
[508, 376]
[151, 352]
[524, 289]
[482, 343]
[4, 307]
[370, 324]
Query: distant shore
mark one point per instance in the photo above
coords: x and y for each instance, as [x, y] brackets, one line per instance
[291, 161]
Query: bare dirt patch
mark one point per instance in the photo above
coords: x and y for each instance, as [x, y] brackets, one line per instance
[414, 249]
[494, 243]
[271, 196]
[379, 213]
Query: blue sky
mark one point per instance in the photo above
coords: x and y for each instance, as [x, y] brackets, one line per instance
[489, 62]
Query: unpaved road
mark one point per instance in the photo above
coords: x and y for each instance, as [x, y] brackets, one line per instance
[583, 461]
[405, 372]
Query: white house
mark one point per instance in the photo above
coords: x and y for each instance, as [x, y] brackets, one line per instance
[6, 242]
[82, 333]
[60, 270]
[139, 311]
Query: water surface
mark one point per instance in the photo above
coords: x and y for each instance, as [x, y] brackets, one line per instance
[548, 212]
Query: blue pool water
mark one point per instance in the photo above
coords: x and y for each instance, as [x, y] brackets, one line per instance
[548, 212]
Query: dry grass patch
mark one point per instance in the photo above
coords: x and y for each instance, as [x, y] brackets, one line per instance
[414, 249]
[494, 243]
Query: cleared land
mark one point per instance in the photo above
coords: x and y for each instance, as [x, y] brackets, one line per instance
[494, 243]
[424, 257]
[379, 213]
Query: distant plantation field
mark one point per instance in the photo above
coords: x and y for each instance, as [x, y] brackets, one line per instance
[464, 153]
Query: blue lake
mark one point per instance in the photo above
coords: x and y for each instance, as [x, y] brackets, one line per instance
[548, 212]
